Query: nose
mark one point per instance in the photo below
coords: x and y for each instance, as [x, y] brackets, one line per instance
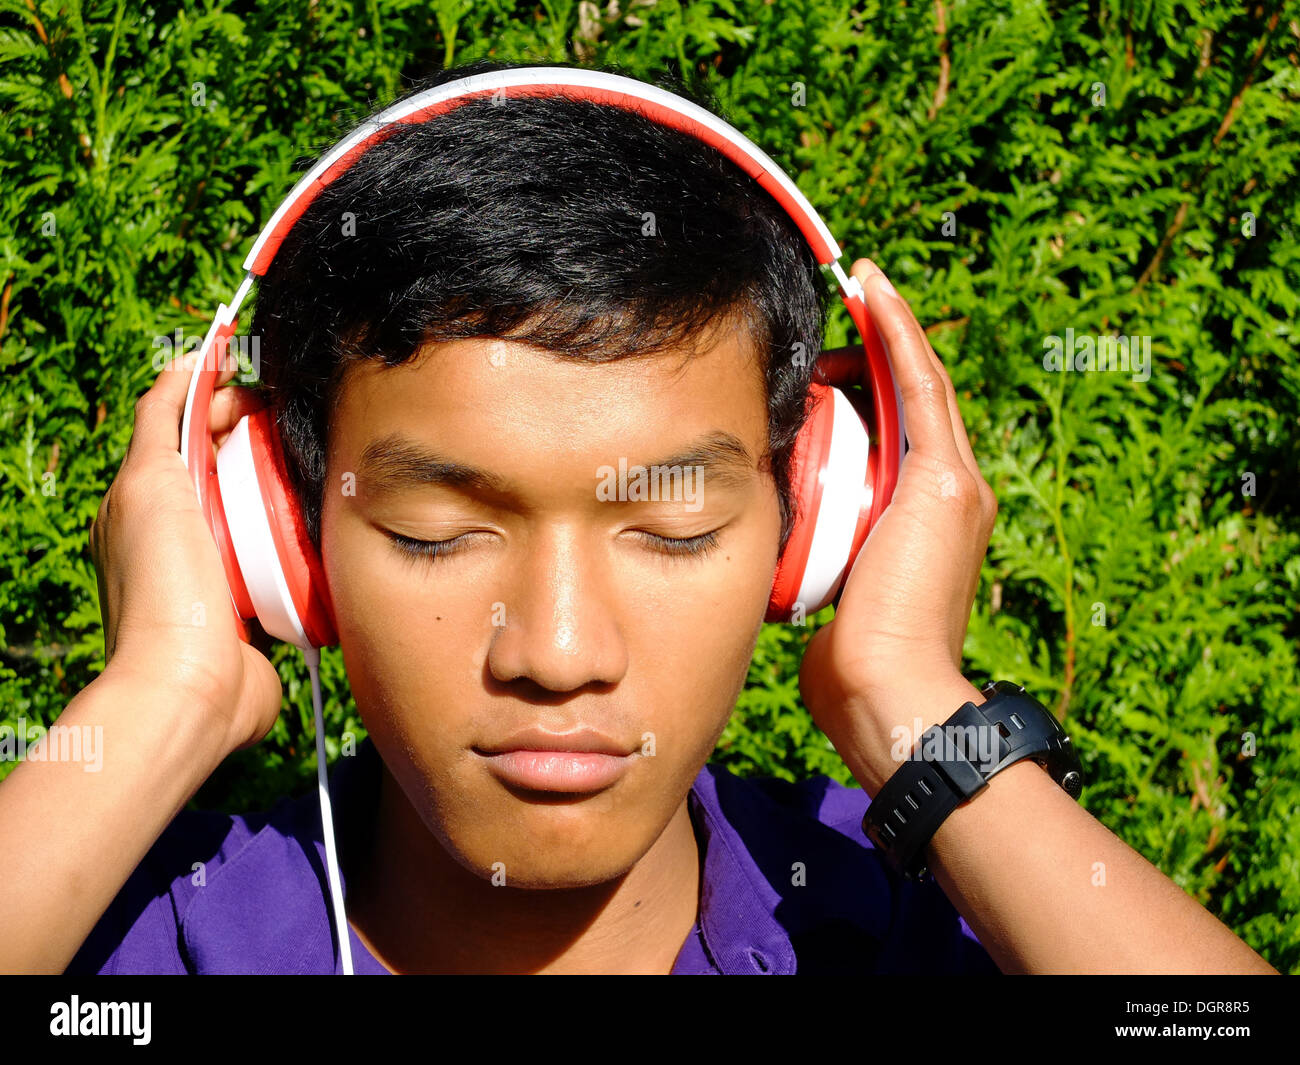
[559, 627]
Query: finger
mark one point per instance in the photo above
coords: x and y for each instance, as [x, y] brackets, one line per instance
[959, 432]
[158, 412]
[229, 405]
[958, 425]
[960, 436]
[962, 441]
[920, 381]
[230, 365]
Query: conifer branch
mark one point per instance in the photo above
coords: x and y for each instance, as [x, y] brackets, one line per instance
[1191, 190]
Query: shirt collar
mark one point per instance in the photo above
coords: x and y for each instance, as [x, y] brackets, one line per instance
[737, 924]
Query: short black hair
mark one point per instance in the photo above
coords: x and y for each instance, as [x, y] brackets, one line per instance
[526, 219]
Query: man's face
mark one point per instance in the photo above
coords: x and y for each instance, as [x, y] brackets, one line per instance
[557, 608]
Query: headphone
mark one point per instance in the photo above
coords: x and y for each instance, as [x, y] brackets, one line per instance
[839, 482]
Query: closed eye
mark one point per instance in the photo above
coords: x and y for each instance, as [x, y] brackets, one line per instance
[429, 549]
[688, 546]
[697, 546]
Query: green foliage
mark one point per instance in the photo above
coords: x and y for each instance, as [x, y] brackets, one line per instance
[1144, 573]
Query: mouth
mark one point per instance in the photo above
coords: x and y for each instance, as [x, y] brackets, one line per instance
[557, 772]
[578, 762]
[581, 761]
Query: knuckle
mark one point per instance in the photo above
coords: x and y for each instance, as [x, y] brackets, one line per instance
[965, 489]
[988, 503]
[942, 370]
[145, 403]
[127, 495]
[988, 496]
[927, 383]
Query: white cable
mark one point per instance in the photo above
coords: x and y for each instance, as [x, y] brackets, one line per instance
[311, 655]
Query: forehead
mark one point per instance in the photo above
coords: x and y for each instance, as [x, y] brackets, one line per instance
[513, 401]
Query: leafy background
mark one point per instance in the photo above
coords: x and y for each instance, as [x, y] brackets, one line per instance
[1017, 167]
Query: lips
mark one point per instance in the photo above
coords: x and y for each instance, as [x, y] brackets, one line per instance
[578, 762]
[582, 741]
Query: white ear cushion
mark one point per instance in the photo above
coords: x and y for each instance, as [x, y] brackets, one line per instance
[844, 493]
[250, 532]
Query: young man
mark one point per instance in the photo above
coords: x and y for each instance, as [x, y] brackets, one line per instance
[463, 331]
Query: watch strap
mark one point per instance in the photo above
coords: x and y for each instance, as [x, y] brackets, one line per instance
[953, 762]
[917, 799]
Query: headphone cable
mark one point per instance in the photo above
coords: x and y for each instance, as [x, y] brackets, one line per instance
[311, 656]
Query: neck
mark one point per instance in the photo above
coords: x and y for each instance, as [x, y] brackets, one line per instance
[418, 910]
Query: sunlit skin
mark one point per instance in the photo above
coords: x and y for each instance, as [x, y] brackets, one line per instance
[603, 627]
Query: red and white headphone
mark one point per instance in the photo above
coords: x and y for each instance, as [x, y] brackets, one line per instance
[841, 483]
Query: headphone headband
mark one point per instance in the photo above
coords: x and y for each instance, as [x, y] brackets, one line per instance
[597, 86]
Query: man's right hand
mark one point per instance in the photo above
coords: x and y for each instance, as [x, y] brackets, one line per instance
[168, 619]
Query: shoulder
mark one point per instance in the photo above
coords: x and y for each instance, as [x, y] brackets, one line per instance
[836, 898]
[200, 856]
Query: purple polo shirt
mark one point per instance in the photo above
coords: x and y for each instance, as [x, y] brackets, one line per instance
[789, 884]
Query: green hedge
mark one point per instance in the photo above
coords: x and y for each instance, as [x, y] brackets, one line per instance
[1019, 169]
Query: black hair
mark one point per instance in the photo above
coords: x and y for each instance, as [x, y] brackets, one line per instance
[524, 219]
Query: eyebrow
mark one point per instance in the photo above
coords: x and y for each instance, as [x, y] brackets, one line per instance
[395, 463]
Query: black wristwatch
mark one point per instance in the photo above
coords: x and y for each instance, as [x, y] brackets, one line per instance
[953, 762]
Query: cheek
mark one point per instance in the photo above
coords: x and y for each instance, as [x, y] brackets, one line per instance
[691, 646]
[715, 609]
[407, 640]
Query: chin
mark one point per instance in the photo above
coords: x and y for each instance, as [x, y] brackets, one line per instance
[521, 863]
[548, 846]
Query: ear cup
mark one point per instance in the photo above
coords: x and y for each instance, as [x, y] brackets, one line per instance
[239, 598]
[281, 569]
[831, 479]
